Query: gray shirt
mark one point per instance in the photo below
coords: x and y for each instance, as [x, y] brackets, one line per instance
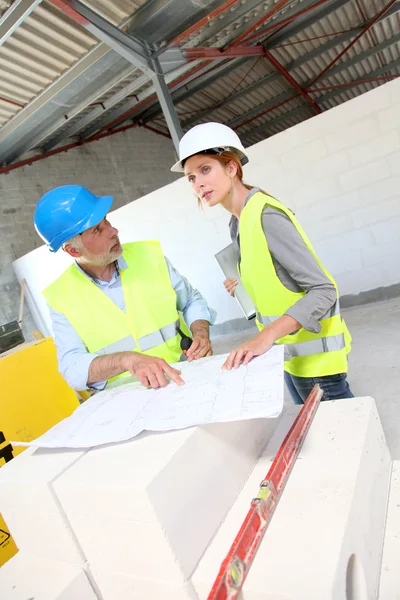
[295, 266]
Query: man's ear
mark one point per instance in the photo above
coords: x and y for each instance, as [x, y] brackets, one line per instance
[74, 252]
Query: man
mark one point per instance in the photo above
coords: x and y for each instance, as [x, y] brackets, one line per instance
[115, 310]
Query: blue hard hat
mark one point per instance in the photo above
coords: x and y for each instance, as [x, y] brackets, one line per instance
[67, 211]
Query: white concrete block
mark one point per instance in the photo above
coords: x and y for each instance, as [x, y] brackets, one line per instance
[389, 588]
[32, 511]
[376, 213]
[375, 193]
[387, 231]
[152, 505]
[394, 161]
[389, 118]
[310, 152]
[354, 178]
[28, 577]
[325, 540]
[355, 133]
[380, 146]
[113, 586]
[331, 165]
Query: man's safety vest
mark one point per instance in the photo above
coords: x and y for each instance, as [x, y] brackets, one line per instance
[311, 354]
[149, 323]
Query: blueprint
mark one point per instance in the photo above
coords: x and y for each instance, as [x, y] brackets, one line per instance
[209, 395]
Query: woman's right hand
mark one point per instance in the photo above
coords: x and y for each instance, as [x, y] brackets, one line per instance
[230, 285]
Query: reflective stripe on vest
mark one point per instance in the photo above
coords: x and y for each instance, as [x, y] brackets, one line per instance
[326, 344]
[145, 343]
[334, 310]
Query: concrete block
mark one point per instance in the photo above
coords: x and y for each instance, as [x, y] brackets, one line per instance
[380, 146]
[390, 576]
[306, 153]
[113, 586]
[357, 133]
[30, 507]
[386, 232]
[28, 577]
[325, 540]
[369, 215]
[354, 178]
[394, 161]
[152, 505]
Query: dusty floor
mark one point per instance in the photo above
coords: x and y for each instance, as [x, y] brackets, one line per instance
[374, 364]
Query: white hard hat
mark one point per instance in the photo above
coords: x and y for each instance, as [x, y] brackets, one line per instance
[209, 136]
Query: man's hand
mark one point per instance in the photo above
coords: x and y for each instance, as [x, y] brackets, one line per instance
[201, 345]
[151, 371]
[230, 285]
[245, 352]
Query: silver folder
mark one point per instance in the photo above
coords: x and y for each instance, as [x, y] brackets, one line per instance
[227, 260]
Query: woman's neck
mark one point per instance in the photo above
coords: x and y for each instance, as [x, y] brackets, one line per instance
[235, 199]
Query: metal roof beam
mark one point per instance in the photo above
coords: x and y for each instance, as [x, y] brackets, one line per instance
[394, 65]
[304, 22]
[271, 103]
[96, 112]
[184, 89]
[14, 16]
[126, 45]
[297, 63]
[354, 41]
[122, 113]
[135, 52]
[277, 120]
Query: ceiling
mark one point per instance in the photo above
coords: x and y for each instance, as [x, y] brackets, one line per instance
[259, 67]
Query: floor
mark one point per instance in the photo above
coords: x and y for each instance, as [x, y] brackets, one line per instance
[374, 363]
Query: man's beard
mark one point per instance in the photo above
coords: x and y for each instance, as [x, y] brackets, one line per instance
[101, 260]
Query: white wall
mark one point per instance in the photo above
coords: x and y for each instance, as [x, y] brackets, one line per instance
[340, 173]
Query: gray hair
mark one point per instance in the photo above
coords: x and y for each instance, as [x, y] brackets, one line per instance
[75, 242]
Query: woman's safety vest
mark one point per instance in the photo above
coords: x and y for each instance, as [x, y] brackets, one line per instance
[149, 323]
[309, 354]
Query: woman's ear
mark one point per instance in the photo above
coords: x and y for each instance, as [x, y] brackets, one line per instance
[232, 168]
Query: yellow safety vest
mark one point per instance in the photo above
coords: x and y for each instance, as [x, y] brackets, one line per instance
[310, 354]
[149, 324]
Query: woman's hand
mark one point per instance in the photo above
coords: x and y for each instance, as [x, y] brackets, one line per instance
[230, 285]
[245, 352]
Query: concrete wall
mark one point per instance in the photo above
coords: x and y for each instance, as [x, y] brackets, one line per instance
[122, 165]
[340, 173]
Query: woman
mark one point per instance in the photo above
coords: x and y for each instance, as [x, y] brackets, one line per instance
[296, 298]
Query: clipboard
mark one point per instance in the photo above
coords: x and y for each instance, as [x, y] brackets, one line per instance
[227, 261]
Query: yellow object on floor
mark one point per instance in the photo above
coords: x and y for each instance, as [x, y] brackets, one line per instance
[7, 545]
[33, 398]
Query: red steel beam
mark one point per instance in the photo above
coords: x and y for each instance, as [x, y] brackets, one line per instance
[363, 32]
[266, 111]
[281, 69]
[284, 22]
[214, 13]
[2, 99]
[33, 159]
[196, 53]
[327, 88]
[153, 96]
[267, 15]
[70, 12]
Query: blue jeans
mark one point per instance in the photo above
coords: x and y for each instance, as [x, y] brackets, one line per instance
[334, 387]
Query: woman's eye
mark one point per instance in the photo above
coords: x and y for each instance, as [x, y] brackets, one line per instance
[205, 170]
[191, 179]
